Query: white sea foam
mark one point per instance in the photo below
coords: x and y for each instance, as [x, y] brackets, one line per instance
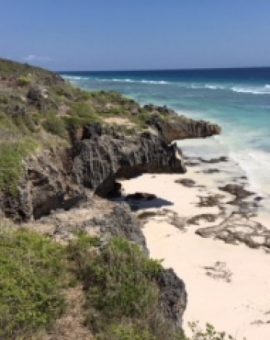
[253, 163]
[128, 80]
[256, 164]
[154, 82]
[206, 86]
[68, 77]
[259, 90]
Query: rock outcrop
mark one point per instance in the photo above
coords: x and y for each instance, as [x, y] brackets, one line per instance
[174, 127]
[110, 136]
[99, 155]
[45, 186]
[105, 156]
[173, 298]
[239, 229]
[106, 219]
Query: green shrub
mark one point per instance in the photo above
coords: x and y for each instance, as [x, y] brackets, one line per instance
[77, 120]
[120, 281]
[3, 99]
[54, 125]
[31, 276]
[6, 123]
[126, 332]
[11, 163]
[24, 80]
[209, 333]
[24, 123]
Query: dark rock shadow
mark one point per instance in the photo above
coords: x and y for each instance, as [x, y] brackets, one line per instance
[136, 205]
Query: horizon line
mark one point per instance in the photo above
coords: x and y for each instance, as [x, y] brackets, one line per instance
[168, 69]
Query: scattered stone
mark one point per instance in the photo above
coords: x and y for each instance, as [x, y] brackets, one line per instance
[177, 221]
[186, 182]
[191, 164]
[146, 215]
[214, 160]
[219, 271]
[238, 191]
[195, 220]
[244, 177]
[238, 228]
[211, 171]
[210, 201]
[37, 96]
[141, 196]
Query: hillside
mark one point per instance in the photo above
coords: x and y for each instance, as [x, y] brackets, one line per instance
[79, 266]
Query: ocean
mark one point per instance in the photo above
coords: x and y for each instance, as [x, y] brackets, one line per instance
[237, 99]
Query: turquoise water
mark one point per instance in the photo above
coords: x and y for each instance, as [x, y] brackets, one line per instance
[237, 99]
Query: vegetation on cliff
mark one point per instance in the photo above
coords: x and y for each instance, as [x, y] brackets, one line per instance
[32, 275]
[119, 281]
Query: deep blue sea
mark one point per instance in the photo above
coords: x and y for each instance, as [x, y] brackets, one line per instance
[237, 99]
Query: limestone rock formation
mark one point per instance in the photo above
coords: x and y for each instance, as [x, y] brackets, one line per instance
[175, 127]
[103, 157]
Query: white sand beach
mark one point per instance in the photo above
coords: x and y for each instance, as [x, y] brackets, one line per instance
[228, 285]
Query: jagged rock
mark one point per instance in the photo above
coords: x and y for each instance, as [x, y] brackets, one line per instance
[237, 190]
[173, 298]
[103, 218]
[121, 222]
[98, 157]
[96, 217]
[177, 127]
[209, 201]
[100, 160]
[195, 220]
[239, 229]
[46, 186]
[37, 95]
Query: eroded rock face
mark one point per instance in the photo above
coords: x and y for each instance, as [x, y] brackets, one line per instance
[173, 298]
[176, 128]
[98, 156]
[103, 157]
[46, 186]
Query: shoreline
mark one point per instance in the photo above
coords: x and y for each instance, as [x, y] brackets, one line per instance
[227, 282]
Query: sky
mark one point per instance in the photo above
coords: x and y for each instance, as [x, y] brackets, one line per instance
[136, 34]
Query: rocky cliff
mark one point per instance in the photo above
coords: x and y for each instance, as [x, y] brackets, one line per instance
[60, 146]
[73, 141]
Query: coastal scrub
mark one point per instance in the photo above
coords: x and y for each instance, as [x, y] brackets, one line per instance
[32, 270]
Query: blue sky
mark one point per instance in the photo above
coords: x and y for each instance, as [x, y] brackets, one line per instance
[136, 34]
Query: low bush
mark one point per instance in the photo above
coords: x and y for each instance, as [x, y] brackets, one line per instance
[32, 270]
[24, 80]
[55, 125]
[126, 332]
[11, 163]
[120, 281]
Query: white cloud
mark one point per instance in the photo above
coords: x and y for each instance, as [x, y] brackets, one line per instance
[34, 57]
